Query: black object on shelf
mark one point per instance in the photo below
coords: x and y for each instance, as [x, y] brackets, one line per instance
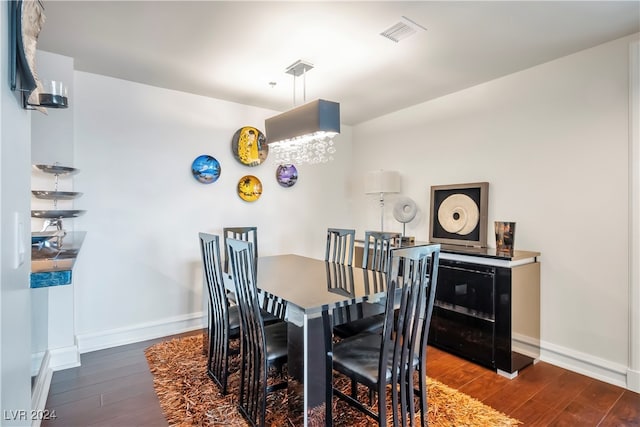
[53, 101]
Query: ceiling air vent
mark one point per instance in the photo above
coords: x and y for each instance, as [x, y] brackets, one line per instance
[402, 29]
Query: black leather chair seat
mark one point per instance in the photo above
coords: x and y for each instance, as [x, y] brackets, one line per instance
[276, 337]
[269, 318]
[371, 324]
[358, 357]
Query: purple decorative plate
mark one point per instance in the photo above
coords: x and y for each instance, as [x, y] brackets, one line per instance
[287, 175]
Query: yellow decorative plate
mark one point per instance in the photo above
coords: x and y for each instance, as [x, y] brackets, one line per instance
[249, 146]
[249, 188]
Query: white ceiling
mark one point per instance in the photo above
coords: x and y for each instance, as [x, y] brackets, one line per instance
[233, 50]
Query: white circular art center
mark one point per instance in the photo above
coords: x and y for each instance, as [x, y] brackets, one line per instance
[458, 214]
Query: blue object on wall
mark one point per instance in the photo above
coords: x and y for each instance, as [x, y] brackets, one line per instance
[52, 278]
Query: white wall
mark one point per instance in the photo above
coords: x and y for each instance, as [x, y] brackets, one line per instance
[139, 267]
[552, 141]
[15, 296]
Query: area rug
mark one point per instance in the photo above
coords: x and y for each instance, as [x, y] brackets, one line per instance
[189, 397]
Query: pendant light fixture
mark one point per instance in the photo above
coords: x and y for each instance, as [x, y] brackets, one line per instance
[305, 133]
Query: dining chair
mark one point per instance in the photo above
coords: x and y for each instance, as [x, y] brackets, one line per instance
[248, 234]
[261, 347]
[340, 280]
[375, 256]
[338, 255]
[339, 247]
[376, 253]
[224, 319]
[273, 309]
[387, 362]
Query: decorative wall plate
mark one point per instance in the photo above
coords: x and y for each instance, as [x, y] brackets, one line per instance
[206, 169]
[287, 175]
[57, 169]
[249, 146]
[56, 195]
[57, 214]
[249, 188]
[459, 214]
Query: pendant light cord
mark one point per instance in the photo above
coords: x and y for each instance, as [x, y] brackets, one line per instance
[304, 86]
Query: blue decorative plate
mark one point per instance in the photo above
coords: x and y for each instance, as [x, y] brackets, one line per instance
[287, 175]
[206, 169]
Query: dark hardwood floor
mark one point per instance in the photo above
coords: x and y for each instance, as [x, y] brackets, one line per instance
[113, 387]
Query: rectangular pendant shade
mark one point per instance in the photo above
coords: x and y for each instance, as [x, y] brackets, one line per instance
[315, 116]
[382, 181]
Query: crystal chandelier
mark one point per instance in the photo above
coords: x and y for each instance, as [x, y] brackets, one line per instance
[305, 133]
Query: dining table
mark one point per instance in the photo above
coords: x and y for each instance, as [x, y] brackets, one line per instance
[311, 287]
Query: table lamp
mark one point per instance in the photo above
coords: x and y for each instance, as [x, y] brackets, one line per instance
[382, 182]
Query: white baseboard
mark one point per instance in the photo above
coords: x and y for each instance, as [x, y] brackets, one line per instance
[526, 345]
[633, 380]
[65, 357]
[55, 359]
[582, 363]
[40, 389]
[139, 332]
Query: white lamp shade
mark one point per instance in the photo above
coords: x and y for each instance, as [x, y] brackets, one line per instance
[382, 181]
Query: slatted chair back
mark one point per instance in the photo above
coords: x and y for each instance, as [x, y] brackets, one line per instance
[376, 253]
[340, 245]
[219, 333]
[340, 281]
[374, 281]
[375, 259]
[412, 284]
[272, 306]
[253, 378]
[248, 234]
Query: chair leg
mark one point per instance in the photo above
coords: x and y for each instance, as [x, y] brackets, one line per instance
[328, 344]
[328, 409]
[382, 405]
[423, 398]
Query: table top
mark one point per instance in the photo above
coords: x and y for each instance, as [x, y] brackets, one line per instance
[313, 285]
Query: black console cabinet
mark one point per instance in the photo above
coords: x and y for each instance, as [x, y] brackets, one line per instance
[463, 321]
[487, 306]
[483, 305]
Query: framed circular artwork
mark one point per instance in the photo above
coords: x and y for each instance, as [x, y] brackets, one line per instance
[206, 169]
[287, 175]
[249, 146]
[249, 188]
